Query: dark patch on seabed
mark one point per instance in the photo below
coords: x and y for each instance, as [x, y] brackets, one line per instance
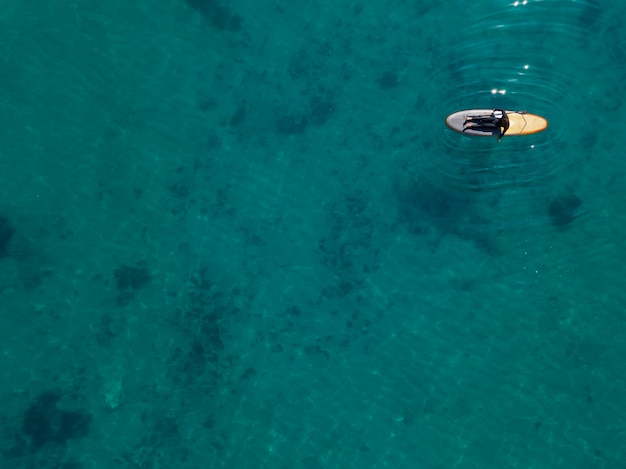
[6, 233]
[423, 205]
[217, 14]
[45, 423]
[349, 248]
[129, 280]
[47, 427]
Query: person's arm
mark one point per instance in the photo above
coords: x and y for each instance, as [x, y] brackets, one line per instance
[504, 126]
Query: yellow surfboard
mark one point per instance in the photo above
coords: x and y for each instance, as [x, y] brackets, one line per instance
[520, 123]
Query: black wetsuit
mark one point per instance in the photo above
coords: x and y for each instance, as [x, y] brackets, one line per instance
[490, 122]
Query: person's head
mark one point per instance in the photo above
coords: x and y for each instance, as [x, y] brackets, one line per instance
[498, 113]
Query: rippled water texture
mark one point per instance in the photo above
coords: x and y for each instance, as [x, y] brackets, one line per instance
[542, 57]
[524, 55]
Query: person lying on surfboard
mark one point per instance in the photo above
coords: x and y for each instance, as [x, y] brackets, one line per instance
[496, 120]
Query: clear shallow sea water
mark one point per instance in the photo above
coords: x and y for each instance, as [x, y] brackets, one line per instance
[240, 235]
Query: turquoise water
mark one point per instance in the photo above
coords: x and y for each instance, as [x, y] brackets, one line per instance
[240, 235]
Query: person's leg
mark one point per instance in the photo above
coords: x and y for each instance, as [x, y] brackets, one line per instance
[480, 120]
[486, 123]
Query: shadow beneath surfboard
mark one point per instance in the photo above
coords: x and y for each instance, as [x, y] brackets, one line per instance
[437, 210]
